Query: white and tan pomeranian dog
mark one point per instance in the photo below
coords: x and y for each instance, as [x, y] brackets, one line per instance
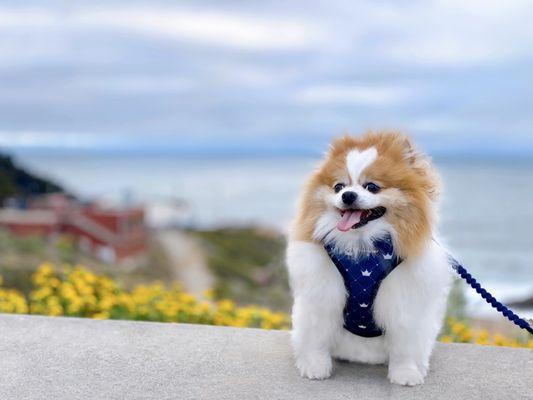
[369, 281]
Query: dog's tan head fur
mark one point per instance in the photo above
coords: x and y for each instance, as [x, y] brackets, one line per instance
[408, 190]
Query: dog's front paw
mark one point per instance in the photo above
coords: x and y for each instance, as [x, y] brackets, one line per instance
[424, 369]
[315, 365]
[406, 375]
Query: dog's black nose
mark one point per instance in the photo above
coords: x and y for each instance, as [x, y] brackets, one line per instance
[348, 198]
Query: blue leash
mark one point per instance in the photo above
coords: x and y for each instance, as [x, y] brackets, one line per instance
[489, 298]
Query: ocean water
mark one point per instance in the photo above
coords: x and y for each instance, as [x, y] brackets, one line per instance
[486, 213]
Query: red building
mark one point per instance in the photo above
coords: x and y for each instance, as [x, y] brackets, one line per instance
[29, 222]
[109, 234]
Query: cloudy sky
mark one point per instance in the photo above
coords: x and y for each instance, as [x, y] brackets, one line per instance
[273, 76]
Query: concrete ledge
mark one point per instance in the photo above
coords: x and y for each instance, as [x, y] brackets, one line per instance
[67, 358]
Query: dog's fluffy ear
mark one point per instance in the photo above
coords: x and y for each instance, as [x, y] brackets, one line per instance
[421, 162]
[412, 155]
[410, 152]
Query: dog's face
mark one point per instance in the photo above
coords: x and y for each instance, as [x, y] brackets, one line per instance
[367, 186]
[357, 195]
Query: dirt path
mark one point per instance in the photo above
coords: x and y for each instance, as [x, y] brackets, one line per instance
[188, 259]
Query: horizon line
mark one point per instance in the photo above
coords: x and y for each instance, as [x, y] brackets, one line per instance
[460, 153]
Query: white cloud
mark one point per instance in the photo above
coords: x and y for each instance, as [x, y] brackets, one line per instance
[65, 140]
[443, 49]
[27, 17]
[213, 28]
[372, 95]
[233, 30]
[132, 84]
[455, 32]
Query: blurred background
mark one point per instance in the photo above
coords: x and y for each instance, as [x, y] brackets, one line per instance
[159, 140]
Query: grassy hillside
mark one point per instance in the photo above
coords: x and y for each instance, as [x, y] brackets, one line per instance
[248, 265]
[22, 255]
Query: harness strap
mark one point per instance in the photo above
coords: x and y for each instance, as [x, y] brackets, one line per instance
[362, 274]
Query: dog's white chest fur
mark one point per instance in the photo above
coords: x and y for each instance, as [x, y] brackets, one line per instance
[409, 307]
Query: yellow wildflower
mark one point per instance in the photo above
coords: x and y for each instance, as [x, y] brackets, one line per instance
[101, 315]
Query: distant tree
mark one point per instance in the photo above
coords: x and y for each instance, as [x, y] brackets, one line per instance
[7, 188]
[15, 181]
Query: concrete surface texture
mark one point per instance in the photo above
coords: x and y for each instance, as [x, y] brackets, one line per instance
[68, 358]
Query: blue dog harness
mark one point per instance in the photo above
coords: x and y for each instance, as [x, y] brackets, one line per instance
[364, 273]
[362, 276]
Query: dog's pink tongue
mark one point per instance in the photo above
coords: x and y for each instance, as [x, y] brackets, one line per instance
[349, 219]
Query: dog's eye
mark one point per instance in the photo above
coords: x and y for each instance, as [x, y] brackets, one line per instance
[338, 187]
[372, 187]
